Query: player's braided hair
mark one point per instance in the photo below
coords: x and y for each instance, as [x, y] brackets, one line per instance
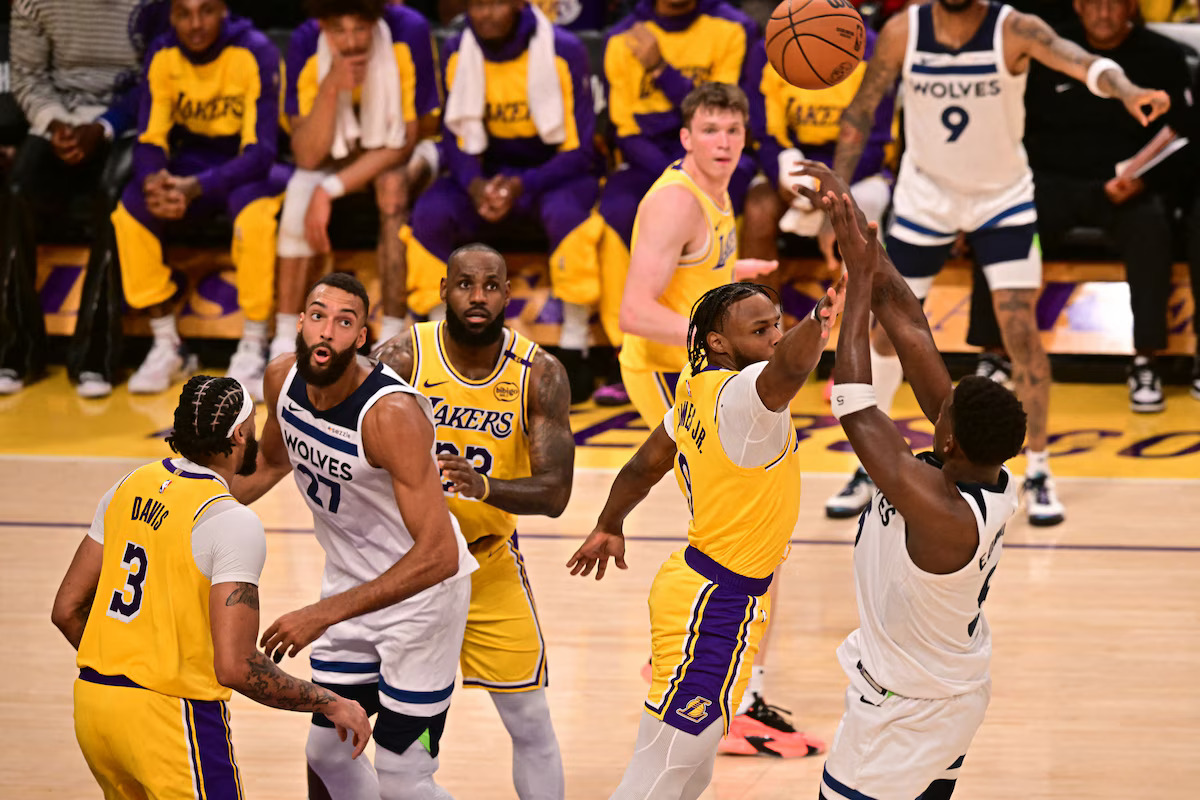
[988, 421]
[369, 10]
[207, 407]
[710, 312]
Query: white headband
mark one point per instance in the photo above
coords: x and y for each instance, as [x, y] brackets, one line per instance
[243, 412]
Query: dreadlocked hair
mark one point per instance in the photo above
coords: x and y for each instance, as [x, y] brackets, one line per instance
[710, 312]
[207, 407]
[988, 421]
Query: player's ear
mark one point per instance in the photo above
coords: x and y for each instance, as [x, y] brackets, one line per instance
[442, 290]
[361, 339]
[717, 343]
[685, 138]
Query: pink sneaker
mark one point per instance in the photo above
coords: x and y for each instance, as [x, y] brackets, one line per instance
[613, 394]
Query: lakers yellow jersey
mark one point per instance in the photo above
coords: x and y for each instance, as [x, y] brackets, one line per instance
[742, 517]
[707, 268]
[484, 421]
[150, 620]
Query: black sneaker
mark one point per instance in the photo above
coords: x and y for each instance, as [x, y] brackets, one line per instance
[1196, 379]
[853, 498]
[771, 716]
[1145, 388]
[994, 367]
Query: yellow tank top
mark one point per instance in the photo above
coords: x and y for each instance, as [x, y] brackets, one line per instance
[150, 620]
[484, 421]
[742, 517]
[695, 274]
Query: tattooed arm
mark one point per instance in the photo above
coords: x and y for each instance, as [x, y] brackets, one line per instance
[73, 602]
[859, 117]
[233, 612]
[1027, 36]
[551, 451]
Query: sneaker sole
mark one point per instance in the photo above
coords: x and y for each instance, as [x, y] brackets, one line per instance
[1046, 522]
[1148, 408]
[844, 513]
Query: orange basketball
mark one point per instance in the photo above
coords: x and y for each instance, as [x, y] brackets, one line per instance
[815, 44]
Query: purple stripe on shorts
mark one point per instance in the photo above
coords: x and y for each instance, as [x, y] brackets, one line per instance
[214, 750]
[719, 641]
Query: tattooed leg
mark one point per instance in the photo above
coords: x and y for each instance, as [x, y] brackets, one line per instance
[1031, 367]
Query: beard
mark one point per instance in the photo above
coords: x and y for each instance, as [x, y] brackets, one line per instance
[460, 333]
[339, 362]
[249, 458]
[956, 7]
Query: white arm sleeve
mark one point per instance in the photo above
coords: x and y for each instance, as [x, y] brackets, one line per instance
[751, 433]
[229, 544]
[97, 529]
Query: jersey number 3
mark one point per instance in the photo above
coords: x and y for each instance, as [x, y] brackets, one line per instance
[120, 607]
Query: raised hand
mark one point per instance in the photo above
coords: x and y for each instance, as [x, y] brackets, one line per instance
[860, 249]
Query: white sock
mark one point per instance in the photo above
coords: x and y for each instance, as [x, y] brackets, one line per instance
[437, 313]
[164, 330]
[407, 775]
[754, 689]
[392, 326]
[886, 375]
[1037, 462]
[285, 326]
[574, 333]
[330, 759]
[254, 331]
[537, 763]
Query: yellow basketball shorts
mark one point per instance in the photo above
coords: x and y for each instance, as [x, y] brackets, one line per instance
[652, 393]
[503, 649]
[706, 623]
[139, 743]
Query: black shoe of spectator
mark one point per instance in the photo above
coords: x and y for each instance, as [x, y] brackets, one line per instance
[1145, 387]
[579, 373]
[995, 367]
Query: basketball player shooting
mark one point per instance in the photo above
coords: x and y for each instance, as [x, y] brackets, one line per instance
[963, 64]
[927, 545]
[728, 434]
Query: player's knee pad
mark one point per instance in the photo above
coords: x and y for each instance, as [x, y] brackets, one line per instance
[397, 732]
[300, 188]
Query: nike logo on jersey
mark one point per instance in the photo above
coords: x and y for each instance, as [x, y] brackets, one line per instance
[429, 385]
[1061, 87]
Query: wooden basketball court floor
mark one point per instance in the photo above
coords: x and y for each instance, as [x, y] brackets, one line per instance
[1096, 622]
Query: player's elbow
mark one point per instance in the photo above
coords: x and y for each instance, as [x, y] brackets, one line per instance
[631, 319]
[229, 672]
[61, 615]
[556, 501]
[443, 560]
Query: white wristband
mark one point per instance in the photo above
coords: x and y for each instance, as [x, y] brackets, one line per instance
[333, 186]
[1098, 67]
[850, 397]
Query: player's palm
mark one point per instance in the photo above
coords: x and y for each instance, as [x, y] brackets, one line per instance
[595, 551]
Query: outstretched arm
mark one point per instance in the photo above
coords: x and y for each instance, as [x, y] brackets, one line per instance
[893, 303]
[1037, 40]
[883, 70]
[551, 451]
[233, 613]
[798, 351]
[73, 603]
[635, 480]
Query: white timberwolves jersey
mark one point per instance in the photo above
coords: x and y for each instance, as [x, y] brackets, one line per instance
[353, 504]
[923, 635]
[964, 112]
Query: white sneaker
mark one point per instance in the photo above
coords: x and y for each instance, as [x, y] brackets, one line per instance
[281, 345]
[10, 382]
[247, 366]
[164, 364]
[92, 384]
[1145, 389]
[852, 499]
[1041, 502]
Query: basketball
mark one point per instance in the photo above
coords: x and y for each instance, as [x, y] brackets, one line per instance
[814, 44]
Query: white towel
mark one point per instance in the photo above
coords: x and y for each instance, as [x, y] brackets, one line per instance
[382, 123]
[800, 218]
[465, 103]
